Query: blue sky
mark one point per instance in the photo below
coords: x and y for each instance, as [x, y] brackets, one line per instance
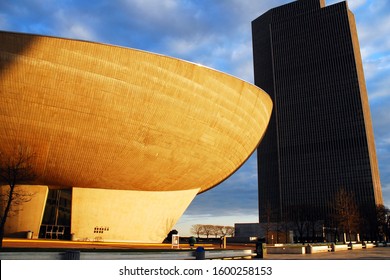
[215, 33]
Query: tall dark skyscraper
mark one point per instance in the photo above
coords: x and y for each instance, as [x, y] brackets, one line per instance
[320, 137]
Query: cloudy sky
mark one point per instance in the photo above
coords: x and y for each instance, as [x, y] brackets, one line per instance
[215, 33]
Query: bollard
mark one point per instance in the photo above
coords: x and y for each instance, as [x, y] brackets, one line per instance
[200, 253]
[192, 241]
[72, 255]
[29, 234]
[261, 250]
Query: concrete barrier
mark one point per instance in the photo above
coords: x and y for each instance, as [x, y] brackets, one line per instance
[339, 247]
[313, 249]
[286, 250]
[368, 245]
[356, 246]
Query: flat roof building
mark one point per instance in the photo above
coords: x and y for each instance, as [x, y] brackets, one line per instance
[320, 138]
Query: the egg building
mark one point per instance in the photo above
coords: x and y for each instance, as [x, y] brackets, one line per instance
[123, 139]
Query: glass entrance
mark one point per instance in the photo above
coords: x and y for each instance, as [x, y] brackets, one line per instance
[56, 218]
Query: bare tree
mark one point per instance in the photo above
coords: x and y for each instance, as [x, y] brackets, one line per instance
[19, 197]
[299, 220]
[217, 230]
[224, 230]
[347, 213]
[207, 230]
[197, 229]
[229, 230]
[266, 220]
[284, 228]
[383, 217]
[15, 169]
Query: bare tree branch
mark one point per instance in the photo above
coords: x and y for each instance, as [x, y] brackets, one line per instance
[15, 169]
[197, 229]
[347, 214]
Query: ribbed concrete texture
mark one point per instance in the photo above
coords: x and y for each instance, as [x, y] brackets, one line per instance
[104, 117]
[108, 117]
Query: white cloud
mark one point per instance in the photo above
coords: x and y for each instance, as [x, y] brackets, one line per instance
[241, 59]
[153, 8]
[373, 29]
[377, 5]
[165, 16]
[379, 90]
[182, 46]
[386, 194]
[81, 31]
[245, 72]
[354, 4]
[74, 26]
[186, 46]
[248, 10]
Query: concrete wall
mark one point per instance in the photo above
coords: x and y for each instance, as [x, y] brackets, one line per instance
[28, 215]
[251, 230]
[121, 215]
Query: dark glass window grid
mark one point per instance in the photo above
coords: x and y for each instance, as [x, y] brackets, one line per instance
[322, 142]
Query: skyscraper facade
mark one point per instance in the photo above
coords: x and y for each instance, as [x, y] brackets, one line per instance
[320, 137]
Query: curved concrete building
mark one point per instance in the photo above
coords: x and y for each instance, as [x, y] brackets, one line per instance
[135, 136]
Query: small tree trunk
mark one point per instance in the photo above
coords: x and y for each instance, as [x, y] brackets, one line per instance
[1, 237]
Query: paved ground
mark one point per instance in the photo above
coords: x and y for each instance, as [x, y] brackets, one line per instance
[65, 244]
[377, 253]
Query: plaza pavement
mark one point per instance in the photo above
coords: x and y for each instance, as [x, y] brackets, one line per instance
[376, 253]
